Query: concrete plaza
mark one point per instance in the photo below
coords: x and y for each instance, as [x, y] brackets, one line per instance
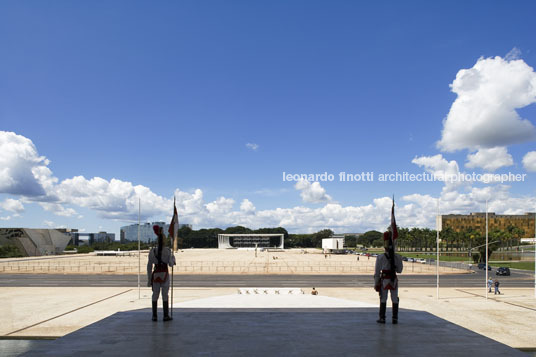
[214, 321]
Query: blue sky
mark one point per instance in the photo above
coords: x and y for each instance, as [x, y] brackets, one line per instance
[151, 99]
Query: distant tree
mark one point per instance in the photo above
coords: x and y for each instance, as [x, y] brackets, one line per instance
[237, 230]
[367, 238]
[10, 251]
[318, 236]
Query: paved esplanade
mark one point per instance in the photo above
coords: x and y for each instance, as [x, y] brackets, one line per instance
[518, 279]
[327, 327]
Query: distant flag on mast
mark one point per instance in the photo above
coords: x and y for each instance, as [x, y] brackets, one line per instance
[174, 225]
[393, 221]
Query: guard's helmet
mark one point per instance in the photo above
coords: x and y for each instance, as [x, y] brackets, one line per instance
[387, 242]
[157, 229]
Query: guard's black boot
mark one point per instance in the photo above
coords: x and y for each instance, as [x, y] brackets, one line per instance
[166, 312]
[395, 314]
[383, 307]
[154, 311]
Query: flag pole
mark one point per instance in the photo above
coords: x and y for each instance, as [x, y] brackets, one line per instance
[139, 251]
[486, 249]
[173, 253]
[437, 248]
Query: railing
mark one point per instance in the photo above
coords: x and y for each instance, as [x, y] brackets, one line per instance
[279, 266]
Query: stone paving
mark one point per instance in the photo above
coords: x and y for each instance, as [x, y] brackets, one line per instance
[273, 332]
[505, 320]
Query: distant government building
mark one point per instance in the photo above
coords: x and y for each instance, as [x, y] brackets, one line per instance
[34, 242]
[477, 221]
[130, 233]
[251, 240]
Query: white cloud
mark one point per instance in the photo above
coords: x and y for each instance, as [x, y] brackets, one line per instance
[58, 209]
[252, 146]
[118, 200]
[312, 192]
[246, 206]
[437, 165]
[441, 168]
[221, 206]
[490, 159]
[49, 224]
[22, 170]
[12, 205]
[529, 161]
[5, 218]
[513, 54]
[484, 113]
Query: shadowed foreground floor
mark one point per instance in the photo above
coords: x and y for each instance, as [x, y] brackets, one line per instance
[273, 332]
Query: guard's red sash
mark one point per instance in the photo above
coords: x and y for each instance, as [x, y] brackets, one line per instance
[160, 273]
[388, 280]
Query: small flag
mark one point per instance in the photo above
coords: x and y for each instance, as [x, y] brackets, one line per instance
[174, 225]
[393, 221]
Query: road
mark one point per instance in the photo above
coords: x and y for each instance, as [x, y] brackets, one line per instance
[518, 278]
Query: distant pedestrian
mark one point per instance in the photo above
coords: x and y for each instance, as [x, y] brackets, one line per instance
[490, 284]
[314, 292]
[497, 287]
[358, 258]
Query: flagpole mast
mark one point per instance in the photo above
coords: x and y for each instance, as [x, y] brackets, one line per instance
[437, 248]
[139, 251]
[173, 249]
[486, 249]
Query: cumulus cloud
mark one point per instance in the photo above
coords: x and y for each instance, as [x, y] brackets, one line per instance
[246, 206]
[118, 200]
[484, 113]
[12, 205]
[441, 168]
[49, 224]
[312, 192]
[529, 161]
[252, 146]
[220, 206]
[22, 170]
[58, 209]
[490, 159]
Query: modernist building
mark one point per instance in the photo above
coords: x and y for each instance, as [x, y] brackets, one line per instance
[251, 240]
[477, 221]
[78, 238]
[34, 242]
[130, 233]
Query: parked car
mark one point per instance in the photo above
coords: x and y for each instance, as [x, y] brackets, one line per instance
[483, 266]
[405, 259]
[503, 271]
[411, 260]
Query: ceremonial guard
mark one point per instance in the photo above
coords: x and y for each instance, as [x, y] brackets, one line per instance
[161, 257]
[387, 266]
[385, 278]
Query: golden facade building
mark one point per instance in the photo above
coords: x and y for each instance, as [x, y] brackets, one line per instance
[477, 221]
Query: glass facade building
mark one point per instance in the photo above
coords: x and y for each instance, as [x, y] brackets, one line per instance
[130, 233]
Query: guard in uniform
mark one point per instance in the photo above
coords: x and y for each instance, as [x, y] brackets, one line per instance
[161, 257]
[385, 278]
